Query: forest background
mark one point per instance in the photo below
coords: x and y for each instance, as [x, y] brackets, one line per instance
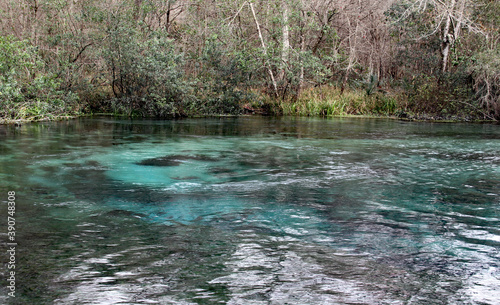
[430, 59]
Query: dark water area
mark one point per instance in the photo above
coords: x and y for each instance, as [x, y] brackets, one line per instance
[252, 211]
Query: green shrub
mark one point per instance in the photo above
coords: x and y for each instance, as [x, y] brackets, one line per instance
[486, 74]
[224, 79]
[145, 76]
[27, 89]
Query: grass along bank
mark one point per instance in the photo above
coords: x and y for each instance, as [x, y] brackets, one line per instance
[329, 101]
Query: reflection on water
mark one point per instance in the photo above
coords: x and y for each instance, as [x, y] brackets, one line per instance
[254, 211]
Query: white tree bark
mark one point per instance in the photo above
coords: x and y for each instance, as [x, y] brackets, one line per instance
[264, 50]
[447, 39]
[451, 16]
[285, 52]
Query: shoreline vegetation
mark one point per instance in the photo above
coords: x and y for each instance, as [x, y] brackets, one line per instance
[326, 102]
[260, 112]
[352, 105]
[409, 60]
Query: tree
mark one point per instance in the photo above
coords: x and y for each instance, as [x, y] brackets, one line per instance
[450, 17]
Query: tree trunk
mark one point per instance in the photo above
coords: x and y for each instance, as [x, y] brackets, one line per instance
[302, 49]
[344, 82]
[285, 51]
[137, 9]
[447, 38]
[264, 50]
[352, 54]
[459, 21]
[167, 22]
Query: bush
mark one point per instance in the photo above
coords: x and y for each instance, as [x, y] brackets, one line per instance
[444, 96]
[145, 75]
[27, 90]
[224, 79]
[486, 75]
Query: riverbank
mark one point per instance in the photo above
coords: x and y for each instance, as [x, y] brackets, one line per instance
[323, 101]
[409, 118]
[31, 120]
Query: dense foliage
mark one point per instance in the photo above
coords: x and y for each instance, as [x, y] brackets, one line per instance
[27, 90]
[411, 58]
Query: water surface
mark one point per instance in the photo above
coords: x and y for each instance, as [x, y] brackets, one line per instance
[254, 211]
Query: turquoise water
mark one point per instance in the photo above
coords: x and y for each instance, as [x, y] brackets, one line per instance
[253, 211]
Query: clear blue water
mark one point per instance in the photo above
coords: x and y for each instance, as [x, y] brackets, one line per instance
[253, 211]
